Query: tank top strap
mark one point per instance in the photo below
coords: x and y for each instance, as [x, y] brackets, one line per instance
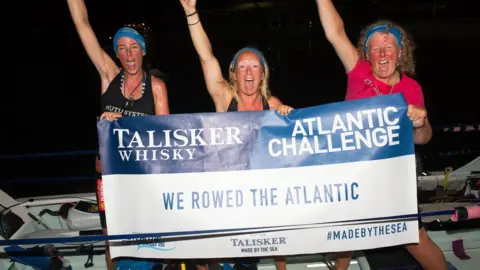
[233, 106]
[266, 107]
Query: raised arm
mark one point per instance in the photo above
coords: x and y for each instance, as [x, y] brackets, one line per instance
[335, 32]
[106, 67]
[212, 72]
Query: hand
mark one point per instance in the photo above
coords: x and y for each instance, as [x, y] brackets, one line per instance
[284, 109]
[417, 115]
[189, 5]
[110, 116]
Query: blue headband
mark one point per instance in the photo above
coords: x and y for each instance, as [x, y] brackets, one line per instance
[131, 33]
[248, 49]
[385, 29]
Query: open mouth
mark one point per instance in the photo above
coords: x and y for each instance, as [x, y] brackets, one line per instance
[383, 62]
[249, 84]
[131, 64]
[383, 65]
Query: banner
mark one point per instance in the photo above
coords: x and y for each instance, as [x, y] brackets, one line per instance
[275, 243]
[222, 173]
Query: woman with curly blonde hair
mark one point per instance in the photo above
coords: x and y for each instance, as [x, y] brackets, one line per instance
[382, 64]
[247, 86]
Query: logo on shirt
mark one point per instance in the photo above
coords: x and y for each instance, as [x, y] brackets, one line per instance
[368, 83]
[111, 108]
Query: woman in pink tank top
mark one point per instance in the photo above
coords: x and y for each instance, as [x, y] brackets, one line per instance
[382, 64]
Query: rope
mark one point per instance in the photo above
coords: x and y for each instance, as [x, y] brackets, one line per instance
[448, 171]
[136, 237]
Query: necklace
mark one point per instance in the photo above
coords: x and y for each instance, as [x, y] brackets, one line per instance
[377, 90]
[130, 102]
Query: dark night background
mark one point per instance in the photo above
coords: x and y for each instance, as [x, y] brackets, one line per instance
[57, 89]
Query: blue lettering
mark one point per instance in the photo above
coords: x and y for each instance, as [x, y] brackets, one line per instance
[396, 228]
[298, 193]
[306, 196]
[254, 191]
[205, 199]
[353, 191]
[195, 198]
[328, 193]
[180, 200]
[229, 198]
[239, 198]
[273, 195]
[263, 196]
[317, 195]
[168, 200]
[289, 198]
[338, 192]
[217, 198]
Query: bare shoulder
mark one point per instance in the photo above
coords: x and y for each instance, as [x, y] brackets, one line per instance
[160, 96]
[158, 84]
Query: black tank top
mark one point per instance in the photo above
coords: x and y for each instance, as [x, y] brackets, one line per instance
[113, 99]
[233, 106]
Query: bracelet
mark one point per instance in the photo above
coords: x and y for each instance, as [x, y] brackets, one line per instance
[194, 23]
[191, 14]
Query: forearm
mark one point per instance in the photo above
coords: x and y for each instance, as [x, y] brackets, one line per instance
[104, 64]
[335, 32]
[423, 135]
[199, 36]
[331, 21]
[78, 11]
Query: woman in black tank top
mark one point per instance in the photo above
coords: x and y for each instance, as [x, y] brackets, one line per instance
[246, 89]
[126, 91]
[113, 100]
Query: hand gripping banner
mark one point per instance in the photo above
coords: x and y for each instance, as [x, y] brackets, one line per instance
[333, 177]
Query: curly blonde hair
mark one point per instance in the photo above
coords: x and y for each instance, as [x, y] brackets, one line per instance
[406, 61]
[264, 89]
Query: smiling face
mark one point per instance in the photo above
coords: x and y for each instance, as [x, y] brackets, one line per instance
[383, 54]
[130, 55]
[248, 73]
